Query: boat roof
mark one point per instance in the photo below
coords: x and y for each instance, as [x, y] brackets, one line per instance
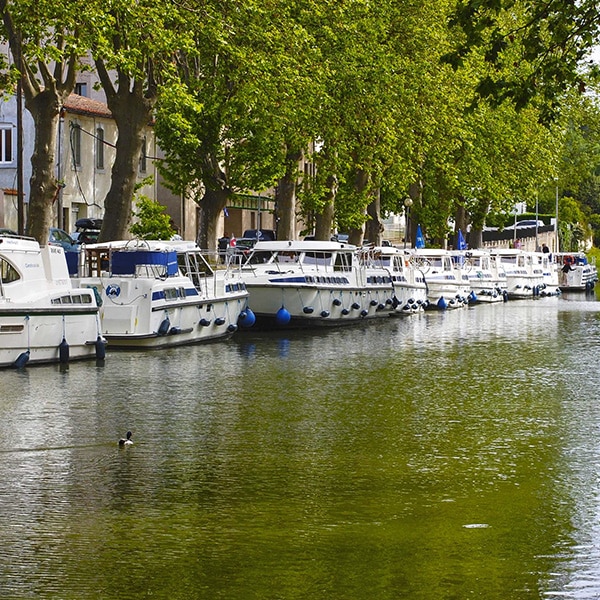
[430, 252]
[302, 246]
[18, 242]
[136, 244]
[384, 250]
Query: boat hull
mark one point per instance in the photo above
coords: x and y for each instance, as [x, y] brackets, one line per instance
[148, 314]
[43, 317]
[156, 295]
[47, 335]
[280, 306]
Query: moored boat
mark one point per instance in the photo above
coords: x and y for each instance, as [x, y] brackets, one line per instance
[550, 287]
[524, 274]
[575, 272]
[408, 281]
[43, 317]
[487, 278]
[148, 302]
[447, 284]
[313, 284]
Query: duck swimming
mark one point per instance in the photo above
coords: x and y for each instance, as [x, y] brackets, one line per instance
[126, 442]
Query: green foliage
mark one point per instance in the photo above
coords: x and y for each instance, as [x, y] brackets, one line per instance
[150, 220]
[535, 48]
[379, 96]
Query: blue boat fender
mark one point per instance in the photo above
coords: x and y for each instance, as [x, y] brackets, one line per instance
[283, 316]
[247, 318]
[63, 351]
[100, 348]
[22, 359]
[164, 327]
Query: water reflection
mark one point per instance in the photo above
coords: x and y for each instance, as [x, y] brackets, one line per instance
[447, 455]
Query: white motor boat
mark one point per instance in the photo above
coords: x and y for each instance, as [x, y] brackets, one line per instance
[43, 317]
[550, 287]
[447, 284]
[148, 302]
[575, 272]
[312, 284]
[524, 273]
[487, 279]
[410, 289]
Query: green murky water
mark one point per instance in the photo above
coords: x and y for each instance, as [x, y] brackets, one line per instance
[448, 456]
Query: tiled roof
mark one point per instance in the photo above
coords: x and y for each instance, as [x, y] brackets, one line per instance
[86, 106]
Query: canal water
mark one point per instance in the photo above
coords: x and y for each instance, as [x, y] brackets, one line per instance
[444, 456]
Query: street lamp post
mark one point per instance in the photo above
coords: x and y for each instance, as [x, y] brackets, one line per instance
[407, 204]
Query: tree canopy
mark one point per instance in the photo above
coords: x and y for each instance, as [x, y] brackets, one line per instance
[467, 107]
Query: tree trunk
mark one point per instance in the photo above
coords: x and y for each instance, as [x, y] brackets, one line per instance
[415, 193]
[286, 198]
[45, 92]
[119, 199]
[209, 211]
[45, 109]
[131, 104]
[374, 227]
[361, 180]
[324, 220]
[461, 221]
[475, 238]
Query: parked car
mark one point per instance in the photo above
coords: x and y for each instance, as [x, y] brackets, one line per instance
[7, 231]
[526, 223]
[87, 231]
[240, 251]
[260, 234]
[59, 237]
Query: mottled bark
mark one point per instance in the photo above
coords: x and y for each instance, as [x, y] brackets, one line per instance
[286, 198]
[209, 211]
[45, 91]
[361, 181]
[324, 220]
[131, 104]
[45, 109]
[374, 227]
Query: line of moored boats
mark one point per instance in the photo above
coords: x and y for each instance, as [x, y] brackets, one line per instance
[156, 294]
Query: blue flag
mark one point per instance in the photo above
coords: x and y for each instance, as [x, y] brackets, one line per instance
[460, 241]
[420, 240]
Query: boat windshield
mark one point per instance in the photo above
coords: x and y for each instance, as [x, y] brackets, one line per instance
[8, 273]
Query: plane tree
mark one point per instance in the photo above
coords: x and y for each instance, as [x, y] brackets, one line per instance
[237, 121]
[369, 117]
[133, 47]
[46, 39]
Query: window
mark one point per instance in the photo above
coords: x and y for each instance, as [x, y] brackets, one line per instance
[8, 273]
[6, 153]
[76, 144]
[99, 148]
[81, 89]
